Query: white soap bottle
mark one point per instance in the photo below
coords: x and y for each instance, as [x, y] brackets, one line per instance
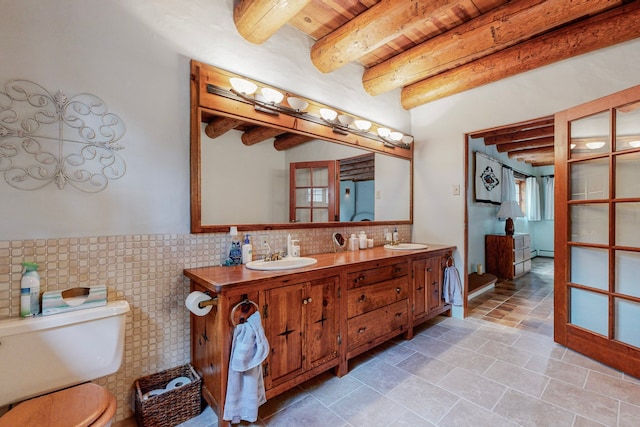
[353, 243]
[247, 250]
[363, 240]
[30, 290]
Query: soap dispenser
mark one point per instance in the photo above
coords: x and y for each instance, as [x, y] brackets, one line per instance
[362, 239]
[30, 290]
[247, 250]
[354, 243]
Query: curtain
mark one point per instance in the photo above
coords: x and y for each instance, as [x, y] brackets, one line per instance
[548, 184]
[533, 199]
[508, 185]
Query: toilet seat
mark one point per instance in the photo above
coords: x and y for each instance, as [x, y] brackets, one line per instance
[80, 406]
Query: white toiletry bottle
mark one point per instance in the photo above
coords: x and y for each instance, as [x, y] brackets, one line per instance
[247, 250]
[30, 290]
[395, 235]
[363, 240]
[353, 243]
[387, 235]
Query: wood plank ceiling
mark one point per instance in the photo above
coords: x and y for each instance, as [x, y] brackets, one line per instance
[433, 49]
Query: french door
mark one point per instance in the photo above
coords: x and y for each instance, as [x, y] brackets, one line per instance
[312, 192]
[597, 230]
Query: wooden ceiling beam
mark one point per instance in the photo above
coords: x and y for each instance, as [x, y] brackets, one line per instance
[531, 152]
[290, 140]
[529, 124]
[259, 134]
[220, 125]
[606, 29]
[546, 141]
[381, 24]
[257, 20]
[506, 138]
[491, 32]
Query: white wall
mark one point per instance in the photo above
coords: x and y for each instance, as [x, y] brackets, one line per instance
[439, 127]
[135, 56]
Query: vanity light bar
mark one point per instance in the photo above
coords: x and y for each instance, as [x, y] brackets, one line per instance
[268, 100]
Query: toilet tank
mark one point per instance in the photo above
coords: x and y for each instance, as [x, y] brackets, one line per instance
[47, 353]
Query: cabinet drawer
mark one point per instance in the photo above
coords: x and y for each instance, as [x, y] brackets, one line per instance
[527, 265]
[526, 241]
[375, 275]
[518, 242]
[518, 269]
[519, 255]
[367, 327]
[366, 298]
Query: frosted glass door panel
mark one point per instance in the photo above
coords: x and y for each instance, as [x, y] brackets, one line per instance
[590, 223]
[590, 180]
[303, 197]
[589, 135]
[303, 177]
[320, 215]
[590, 267]
[628, 175]
[627, 315]
[627, 221]
[627, 270]
[590, 310]
[320, 177]
[303, 215]
[628, 126]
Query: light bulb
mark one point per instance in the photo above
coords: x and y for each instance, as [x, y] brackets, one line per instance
[363, 125]
[297, 103]
[395, 136]
[243, 86]
[271, 95]
[384, 132]
[328, 114]
[595, 145]
[407, 139]
[634, 143]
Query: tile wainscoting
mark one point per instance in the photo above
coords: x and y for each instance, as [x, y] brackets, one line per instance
[145, 270]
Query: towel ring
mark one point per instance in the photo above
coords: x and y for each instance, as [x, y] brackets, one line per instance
[449, 262]
[242, 303]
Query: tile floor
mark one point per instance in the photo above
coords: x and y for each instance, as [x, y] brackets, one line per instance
[497, 367]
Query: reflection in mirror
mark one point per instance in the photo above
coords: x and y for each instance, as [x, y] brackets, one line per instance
[243, 184]
[339, 242]
[590, 135]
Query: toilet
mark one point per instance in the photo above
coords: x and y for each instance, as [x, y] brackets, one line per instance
[48, 361]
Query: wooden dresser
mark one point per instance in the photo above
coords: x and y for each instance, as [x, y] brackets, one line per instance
[506, 256]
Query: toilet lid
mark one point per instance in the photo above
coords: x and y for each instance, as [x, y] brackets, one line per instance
[77, 406]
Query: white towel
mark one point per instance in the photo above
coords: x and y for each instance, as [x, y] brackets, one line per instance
[452, 288]
[245, 385]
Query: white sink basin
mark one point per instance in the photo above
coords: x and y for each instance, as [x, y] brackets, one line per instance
[281, 264]
[406, 246]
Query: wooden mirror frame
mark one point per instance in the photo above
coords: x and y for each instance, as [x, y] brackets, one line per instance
[207, 104]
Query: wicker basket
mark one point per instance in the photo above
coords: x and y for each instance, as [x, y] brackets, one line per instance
[171, 407]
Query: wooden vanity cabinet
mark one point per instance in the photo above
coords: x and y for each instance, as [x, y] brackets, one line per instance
[302, 326]
[377, 305]
[315, 320]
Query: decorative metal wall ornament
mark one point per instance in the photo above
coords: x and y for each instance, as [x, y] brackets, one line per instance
[48, 138]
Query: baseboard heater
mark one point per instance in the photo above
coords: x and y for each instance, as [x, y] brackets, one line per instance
[544, 252]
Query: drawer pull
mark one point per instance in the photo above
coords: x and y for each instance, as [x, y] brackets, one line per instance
[397, 270]
[307, 300]
[398, 314]
[429, 269]
[362, 298]
[361, 330]
[360, 279]
[398, 290]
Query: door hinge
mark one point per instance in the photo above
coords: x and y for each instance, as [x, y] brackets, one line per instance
[339, 291]
[265, 311]
[265, 370]
[339, 339]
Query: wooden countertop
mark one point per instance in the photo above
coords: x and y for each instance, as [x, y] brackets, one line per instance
[218, 277]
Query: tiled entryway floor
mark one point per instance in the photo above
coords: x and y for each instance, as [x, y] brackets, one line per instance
[497, 367]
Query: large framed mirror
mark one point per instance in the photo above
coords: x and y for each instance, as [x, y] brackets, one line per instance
[249, 168]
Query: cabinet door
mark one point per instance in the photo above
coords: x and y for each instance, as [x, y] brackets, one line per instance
[284, 328]
[427, 286]
[321, 305]
[433, 284]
